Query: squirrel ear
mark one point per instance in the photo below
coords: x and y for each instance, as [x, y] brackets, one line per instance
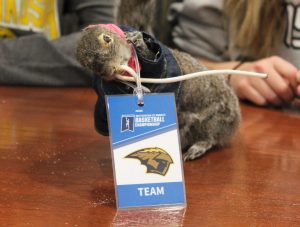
[86, 28]
[91, 26]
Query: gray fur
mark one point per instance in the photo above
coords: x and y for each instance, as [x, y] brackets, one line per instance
[137, 39]
[208, 110]
[139, 14]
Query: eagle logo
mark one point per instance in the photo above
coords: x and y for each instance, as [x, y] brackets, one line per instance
[155, 159]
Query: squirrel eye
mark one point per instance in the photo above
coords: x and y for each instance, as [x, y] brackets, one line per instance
[105, 40]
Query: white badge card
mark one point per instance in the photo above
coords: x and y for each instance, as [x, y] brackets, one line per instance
[146, 151]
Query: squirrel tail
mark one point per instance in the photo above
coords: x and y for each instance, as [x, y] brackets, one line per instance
[138, 14]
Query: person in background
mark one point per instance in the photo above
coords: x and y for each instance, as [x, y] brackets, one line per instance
[254, 35]
[38, 40]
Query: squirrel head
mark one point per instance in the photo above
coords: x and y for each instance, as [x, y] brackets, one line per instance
[102, 49]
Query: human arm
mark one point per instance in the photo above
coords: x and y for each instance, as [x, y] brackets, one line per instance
[201, 32]
[35, 60]
[280, 87]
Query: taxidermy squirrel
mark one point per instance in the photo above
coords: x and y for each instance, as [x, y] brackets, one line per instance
[207, 108]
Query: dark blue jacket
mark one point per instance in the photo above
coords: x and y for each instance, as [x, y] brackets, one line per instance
[163, 67]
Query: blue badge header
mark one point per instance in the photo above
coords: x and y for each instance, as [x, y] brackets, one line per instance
[133, 123]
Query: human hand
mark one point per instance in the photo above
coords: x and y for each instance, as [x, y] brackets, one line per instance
[298, 85]
[280, 87]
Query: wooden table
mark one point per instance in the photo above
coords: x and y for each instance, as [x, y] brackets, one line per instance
[55, 170]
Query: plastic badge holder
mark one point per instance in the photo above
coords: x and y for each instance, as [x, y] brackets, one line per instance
[146, 151]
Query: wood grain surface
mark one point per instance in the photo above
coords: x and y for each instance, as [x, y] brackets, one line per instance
[55, 170]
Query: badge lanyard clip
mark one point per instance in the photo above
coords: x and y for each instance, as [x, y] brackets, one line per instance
[139, 89]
